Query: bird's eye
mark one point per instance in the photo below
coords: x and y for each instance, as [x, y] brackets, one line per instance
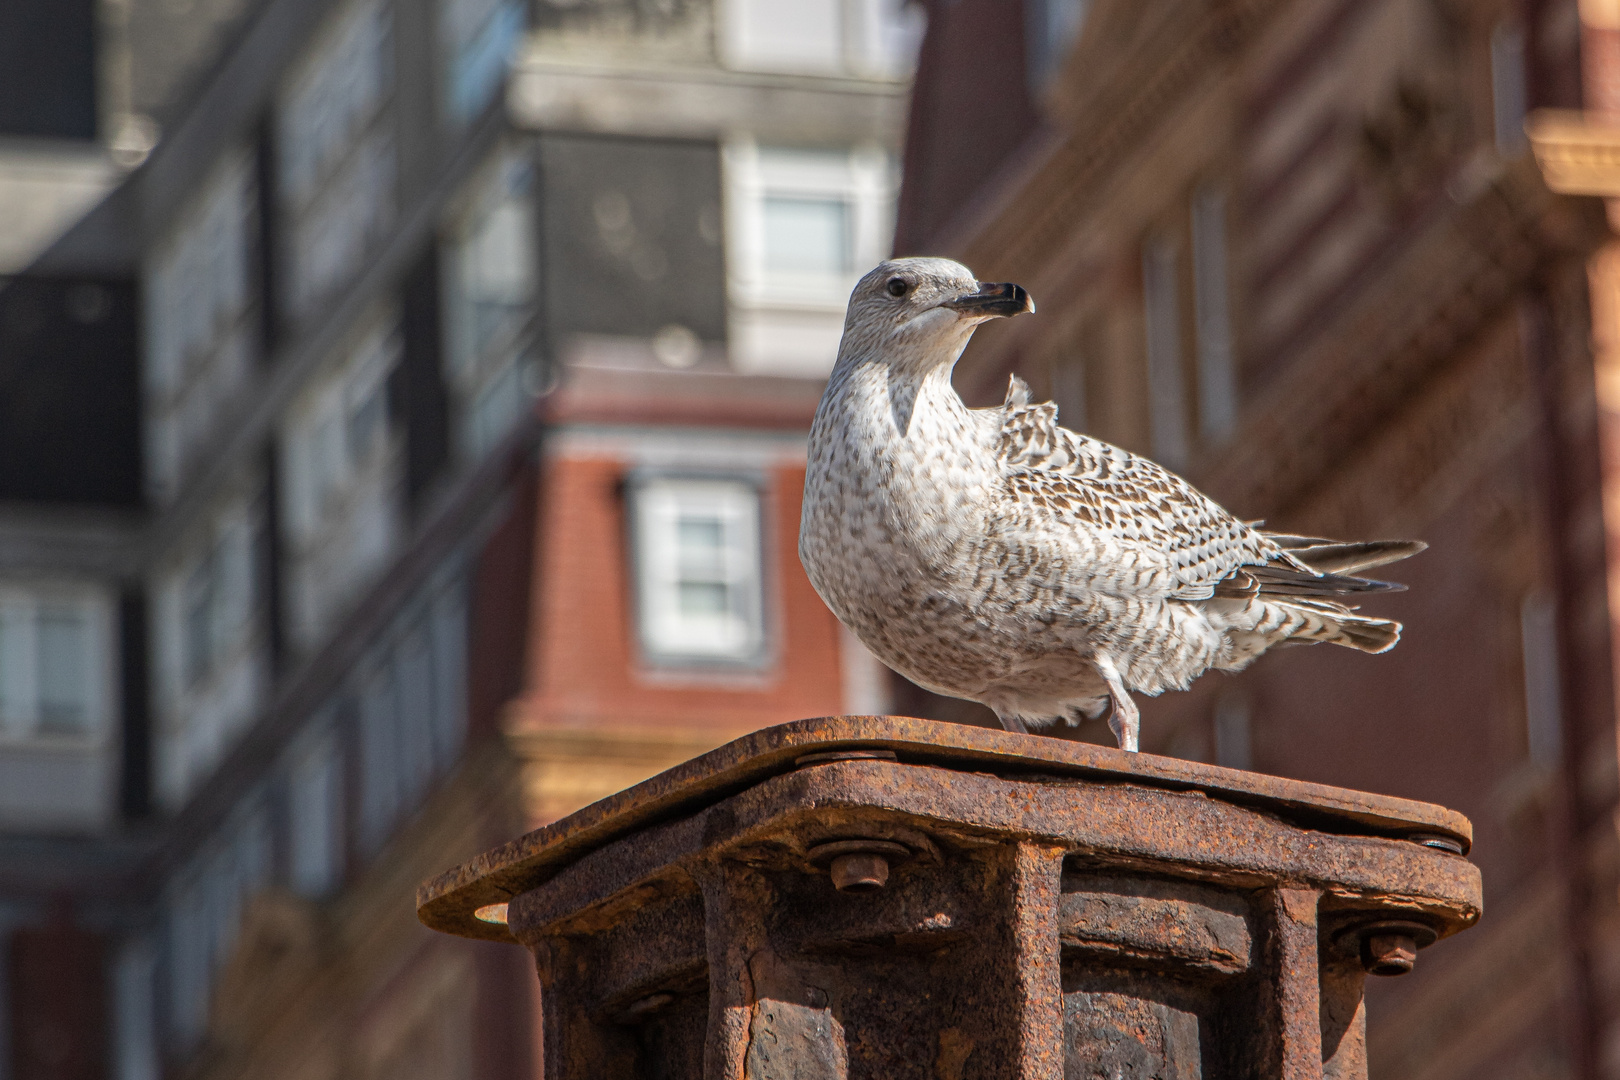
[897, 286]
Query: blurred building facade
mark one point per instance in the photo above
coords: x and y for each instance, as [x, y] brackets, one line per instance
[1302, 254]
[717, 176]
[400, 446]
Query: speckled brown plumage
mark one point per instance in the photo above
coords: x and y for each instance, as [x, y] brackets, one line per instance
[992, 554]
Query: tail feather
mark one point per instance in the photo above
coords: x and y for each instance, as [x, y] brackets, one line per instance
[1345, 557]
[1339, 625]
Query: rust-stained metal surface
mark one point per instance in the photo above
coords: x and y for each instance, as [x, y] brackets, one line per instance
[883, 897]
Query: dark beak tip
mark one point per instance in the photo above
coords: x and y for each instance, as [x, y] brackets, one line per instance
[1002, 299]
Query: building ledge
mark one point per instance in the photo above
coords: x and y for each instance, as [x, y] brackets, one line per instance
[602, 96]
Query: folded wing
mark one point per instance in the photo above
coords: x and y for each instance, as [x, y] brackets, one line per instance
[1202, 550]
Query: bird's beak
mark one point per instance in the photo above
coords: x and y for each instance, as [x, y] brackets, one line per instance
[993, 299]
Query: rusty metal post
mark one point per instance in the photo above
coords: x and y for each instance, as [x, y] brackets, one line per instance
[880, 897]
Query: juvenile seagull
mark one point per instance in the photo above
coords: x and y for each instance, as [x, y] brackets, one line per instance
[992, 555]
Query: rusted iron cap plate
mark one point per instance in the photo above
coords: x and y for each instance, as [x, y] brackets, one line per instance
[449, 902]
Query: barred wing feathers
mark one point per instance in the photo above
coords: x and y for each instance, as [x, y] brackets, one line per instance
[1178, 538]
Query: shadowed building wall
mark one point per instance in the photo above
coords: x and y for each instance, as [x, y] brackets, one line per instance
[1301, 254]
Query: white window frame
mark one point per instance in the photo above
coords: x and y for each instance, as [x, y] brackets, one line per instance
[862, 177]
[669, 637]
[790, 324]
[20, 608]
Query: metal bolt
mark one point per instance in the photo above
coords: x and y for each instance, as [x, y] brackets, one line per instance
[1386, 947]
[860, 871]
[858, 865]
[1388, 954]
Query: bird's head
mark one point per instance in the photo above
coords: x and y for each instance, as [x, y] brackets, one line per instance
[920, 312]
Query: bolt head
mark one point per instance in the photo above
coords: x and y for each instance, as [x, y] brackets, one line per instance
[1389, 953]
[860, 871]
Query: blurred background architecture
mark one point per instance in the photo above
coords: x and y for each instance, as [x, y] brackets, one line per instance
[402, 416]
[1303, 254]
[401, 437]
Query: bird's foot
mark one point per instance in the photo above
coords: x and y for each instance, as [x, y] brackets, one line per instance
[1125, 721]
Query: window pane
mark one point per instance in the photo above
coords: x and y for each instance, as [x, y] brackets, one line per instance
[199, 629]
[702, 549]
[366, 425]
[15, 693]
[497, 276]
[701, 599]
[64, 670]
[699, 573]
[480, 35]
[336, 97]
[496, 409]
[1161, 282]
[315, 820]
[807, 235]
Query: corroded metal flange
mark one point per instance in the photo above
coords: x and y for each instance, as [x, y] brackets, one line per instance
[998, 905]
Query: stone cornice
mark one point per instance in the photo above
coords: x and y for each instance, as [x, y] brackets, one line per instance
[1457, 273]
[1578, 154]
[1014, 225]
[559, 94]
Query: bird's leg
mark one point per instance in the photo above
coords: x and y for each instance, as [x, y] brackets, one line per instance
[1124, 720]
[1012, 723]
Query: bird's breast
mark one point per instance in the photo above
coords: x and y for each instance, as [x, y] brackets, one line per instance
[887, 510]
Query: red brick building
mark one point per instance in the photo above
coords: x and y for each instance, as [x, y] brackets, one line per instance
[1301, 253]
[610, 696]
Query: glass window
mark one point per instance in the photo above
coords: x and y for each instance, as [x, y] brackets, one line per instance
[200, 321]
[698, 567]
[807, 236]
[342, 223]
[205, 911]
[1217, 381]
[479, 36]
[53, 663]
[803, 36]
[201, 599]
[340, 90]
[343, 496]
[336, 153]
[411, 717]
[802, 225]
[64, 669]
[1543, 709]
[1050, 29]
[1167, 409]
[211, 665]
[491, 292]
[805, 223]
[1508, 90]
[315, 816]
